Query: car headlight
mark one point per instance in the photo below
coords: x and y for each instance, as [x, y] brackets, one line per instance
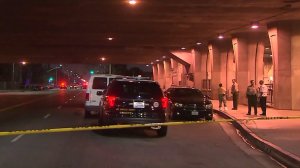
[178, 104]
[208, 106]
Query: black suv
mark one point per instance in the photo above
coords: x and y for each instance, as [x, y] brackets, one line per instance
[129, 101]
[188, 104]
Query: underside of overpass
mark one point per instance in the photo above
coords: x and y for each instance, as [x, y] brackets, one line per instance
[70, 31]
[179, 38]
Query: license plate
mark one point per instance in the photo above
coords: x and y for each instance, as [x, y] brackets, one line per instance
[195, 113]
[138, 105]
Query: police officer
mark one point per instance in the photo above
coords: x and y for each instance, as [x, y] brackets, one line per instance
[252, 97]
[235, 94]
[263, 93]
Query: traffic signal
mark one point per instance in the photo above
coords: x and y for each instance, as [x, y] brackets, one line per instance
[50, 79]
[92, 72]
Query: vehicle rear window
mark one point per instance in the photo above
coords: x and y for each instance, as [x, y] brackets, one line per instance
[112, 79]
[99, 83]
[144, 90]
[186, 92]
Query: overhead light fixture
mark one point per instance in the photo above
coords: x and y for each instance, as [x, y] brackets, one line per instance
[132, 2]
[157, 60]
[151, 63]
[183, 48]
[23, 62]
[103, 59]
[198, 43]
[110, 38]
[220, 36]
[164, 57]
[267, 48]
[254, 25]
[147, 65]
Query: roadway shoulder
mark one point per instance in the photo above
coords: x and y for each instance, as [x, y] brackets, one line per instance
[284, 157]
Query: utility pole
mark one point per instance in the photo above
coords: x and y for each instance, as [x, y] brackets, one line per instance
[109, 69]
[13, 72]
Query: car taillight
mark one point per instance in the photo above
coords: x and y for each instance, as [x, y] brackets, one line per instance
[164, 102]
[111, 100]
[87, 96]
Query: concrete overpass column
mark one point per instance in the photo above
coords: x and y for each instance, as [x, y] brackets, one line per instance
[174, 67]
[242, 73]
[285, 45]
[295, 61]
[215, 70]
[248, 56]
[181, 75]
[155, 72]
[161, 75]
[200, 68]
[230, 69]
[168, 73]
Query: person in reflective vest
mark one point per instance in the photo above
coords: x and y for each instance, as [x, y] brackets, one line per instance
[263, 93]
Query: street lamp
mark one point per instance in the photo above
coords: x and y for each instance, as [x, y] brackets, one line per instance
[55, 68]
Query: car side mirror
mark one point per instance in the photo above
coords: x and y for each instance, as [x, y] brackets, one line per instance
[99, 93]
[166, 93]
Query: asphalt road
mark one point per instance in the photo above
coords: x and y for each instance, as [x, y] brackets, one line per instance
[206, 145]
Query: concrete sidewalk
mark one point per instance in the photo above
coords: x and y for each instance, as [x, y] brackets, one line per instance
[27, 92]
[278, 138]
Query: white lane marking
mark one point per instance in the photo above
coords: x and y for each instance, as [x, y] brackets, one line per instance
[46, 116]
[17, 138]
[59, 107]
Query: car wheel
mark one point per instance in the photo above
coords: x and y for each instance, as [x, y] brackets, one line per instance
[162, 132]
[87, 114]
[100, 118]
[173, 116]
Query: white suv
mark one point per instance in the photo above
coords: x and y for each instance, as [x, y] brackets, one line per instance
[97, 83]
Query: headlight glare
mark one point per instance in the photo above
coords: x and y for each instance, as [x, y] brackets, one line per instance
[178, 104]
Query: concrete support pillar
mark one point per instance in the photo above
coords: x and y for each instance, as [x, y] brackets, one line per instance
[168, 73]
[181, 75]
[230, 70]
[155, 72]
[280, 39]
[215, 70]
[200, 68]
[295, 67]
[161, 75]
[248, 55]
[242, 69]
[174, 66]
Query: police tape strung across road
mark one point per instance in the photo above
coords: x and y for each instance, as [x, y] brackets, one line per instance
[89, 128]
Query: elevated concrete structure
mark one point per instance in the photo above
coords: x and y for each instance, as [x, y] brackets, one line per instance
[244, 58]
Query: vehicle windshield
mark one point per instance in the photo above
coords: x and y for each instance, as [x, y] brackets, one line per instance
[135, 89]
[186, 92]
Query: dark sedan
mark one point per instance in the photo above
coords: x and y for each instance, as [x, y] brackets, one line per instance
[189, 104]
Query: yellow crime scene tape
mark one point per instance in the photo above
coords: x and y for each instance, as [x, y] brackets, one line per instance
[90, 128]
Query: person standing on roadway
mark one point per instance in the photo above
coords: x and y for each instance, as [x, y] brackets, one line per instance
[222, 97]
[263, 93]
[235, 94]
[252, 97]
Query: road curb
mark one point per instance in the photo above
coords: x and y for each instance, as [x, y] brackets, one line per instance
[282, 156]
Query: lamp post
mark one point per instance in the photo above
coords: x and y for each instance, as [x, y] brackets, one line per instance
[13, 73]
[55, 68]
